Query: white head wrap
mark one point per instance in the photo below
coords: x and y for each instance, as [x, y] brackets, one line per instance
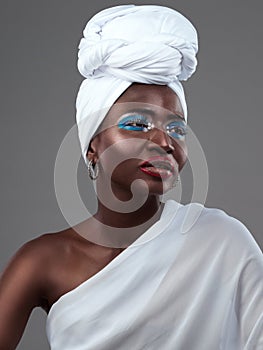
[126, 44]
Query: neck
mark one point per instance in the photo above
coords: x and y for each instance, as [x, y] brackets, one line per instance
[125, 207]
[119, 230]
[113, 230]
[147, 214]
[122, 216]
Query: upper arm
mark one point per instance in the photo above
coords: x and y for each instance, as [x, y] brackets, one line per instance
[244, 260]
[20, 291]
[249, 291]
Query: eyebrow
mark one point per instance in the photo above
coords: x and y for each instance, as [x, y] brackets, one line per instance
[152, 113]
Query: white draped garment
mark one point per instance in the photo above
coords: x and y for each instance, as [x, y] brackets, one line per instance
[201, 290]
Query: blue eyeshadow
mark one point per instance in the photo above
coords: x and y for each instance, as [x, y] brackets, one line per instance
[124, 123]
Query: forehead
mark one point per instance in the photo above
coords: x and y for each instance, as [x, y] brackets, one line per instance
[157, 98]
[156, 95]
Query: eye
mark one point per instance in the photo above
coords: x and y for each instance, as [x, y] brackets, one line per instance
[134, 122]
[177, 129]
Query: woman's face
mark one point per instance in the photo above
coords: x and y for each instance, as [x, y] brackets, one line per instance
[142, 137]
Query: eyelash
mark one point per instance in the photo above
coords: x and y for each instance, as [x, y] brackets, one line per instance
[177, 125]
[127, 122]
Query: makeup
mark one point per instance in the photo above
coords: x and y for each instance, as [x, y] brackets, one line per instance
[176, 129]
[136, 122]
[161, 167]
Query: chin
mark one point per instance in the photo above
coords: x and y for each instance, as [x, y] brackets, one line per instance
[160, 187]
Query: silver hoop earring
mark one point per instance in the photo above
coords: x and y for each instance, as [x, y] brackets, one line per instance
[93, 171]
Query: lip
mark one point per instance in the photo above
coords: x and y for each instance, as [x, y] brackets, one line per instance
[161, 167]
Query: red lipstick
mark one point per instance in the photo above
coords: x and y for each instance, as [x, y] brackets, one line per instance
[158, 166]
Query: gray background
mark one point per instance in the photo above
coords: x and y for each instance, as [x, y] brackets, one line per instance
[39, 82]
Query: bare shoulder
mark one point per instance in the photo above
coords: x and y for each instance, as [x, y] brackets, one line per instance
[55, 263]
[61, 261]
[42, 249]
[26, 283]
[36, 261]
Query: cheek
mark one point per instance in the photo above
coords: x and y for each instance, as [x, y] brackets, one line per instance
[115, 151]
[180, 154]
[119, 138]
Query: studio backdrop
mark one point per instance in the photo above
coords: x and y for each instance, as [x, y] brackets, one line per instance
[39, 82]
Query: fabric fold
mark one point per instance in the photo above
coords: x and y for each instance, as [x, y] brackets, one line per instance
[169, 290]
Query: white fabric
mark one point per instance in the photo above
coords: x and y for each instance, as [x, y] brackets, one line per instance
[125, 44]
[197, 291]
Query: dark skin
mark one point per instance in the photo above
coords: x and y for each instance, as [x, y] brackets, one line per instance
[53, 264]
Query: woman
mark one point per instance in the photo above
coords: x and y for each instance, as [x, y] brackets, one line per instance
[129, 277]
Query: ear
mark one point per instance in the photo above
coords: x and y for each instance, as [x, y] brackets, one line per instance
[92, 151]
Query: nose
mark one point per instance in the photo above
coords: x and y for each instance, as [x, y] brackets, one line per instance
[162, 139]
